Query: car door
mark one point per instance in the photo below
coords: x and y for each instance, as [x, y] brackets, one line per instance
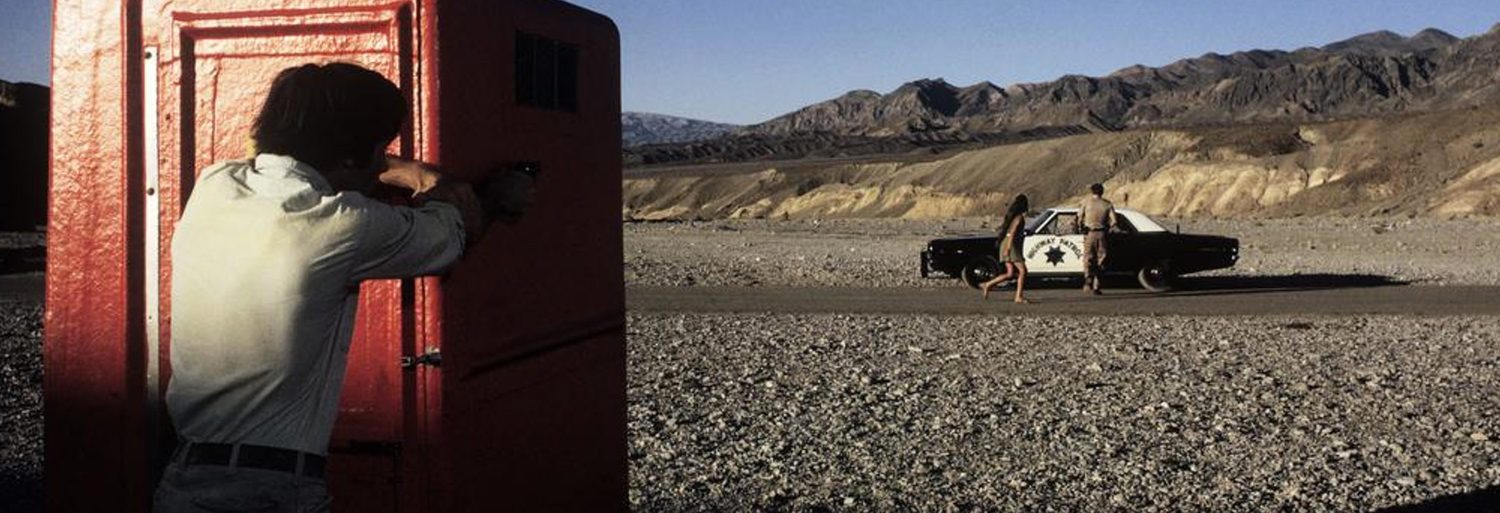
[1126, 250]
[1055, 247]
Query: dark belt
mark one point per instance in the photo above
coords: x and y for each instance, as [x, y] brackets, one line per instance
[251, 456]
[1098, 229]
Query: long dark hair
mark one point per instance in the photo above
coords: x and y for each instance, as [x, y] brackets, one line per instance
[1018, 208]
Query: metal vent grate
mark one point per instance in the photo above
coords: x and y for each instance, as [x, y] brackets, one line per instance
[546, 73]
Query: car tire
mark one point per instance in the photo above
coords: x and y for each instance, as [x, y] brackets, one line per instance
[1157, 277]
[980, 270]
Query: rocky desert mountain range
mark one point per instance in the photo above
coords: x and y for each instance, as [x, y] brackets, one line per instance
[1376, 124]
[637, 128]
[23, 155]
[1370, 74]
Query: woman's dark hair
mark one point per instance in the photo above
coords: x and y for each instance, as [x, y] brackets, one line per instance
[323, 114]
[1018, 208]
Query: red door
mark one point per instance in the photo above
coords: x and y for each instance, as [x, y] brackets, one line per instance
[212, 69]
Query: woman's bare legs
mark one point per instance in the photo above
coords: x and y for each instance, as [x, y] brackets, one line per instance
[1010, 270]
[1021, 282]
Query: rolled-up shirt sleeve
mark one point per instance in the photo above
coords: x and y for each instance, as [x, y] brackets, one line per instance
[401, 242]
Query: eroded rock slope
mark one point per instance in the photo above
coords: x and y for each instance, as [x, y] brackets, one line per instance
[1432, 164]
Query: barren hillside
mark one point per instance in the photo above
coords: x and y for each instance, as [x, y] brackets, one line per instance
[1376, 73]
[637, 128]
[1441, 164]
[23, 155]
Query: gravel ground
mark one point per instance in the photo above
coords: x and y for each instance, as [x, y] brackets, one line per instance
[20, 406]
[10, 240]
[883, 252]
[20, 388]
[917, 413]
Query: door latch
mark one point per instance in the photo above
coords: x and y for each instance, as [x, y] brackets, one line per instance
[432, 358]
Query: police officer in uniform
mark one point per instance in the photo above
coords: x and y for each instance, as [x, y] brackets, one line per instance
[1097, 217]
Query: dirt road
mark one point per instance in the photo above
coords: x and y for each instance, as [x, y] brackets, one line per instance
[1316, 295]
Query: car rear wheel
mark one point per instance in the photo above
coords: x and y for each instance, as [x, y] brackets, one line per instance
[1157, 277]
[980, 270]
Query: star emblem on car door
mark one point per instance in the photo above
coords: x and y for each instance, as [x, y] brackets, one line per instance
[1055, 255]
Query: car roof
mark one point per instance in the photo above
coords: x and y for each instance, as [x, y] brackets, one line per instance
[1141, 222]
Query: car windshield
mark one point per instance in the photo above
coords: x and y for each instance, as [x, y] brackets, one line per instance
[1062, 223]
[1140, 222]
[1130, 221]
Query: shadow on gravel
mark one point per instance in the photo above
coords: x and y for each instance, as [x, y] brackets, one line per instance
[1214, 285]
[22, 260]
[1486, 501]
[20, 495]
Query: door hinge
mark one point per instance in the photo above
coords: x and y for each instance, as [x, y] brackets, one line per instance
[432, 358]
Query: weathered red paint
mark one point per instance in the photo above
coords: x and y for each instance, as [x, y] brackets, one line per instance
[93, 406]
[527, 412]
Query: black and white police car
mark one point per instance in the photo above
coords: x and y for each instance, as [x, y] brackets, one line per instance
[1053, 248]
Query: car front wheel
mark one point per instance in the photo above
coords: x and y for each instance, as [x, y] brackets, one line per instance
[980, 270]
[1157, 277]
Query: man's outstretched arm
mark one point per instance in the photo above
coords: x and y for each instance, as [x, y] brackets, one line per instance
[399, 241]
[428, 184]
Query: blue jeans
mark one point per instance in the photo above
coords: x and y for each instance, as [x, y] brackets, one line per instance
[213, 488]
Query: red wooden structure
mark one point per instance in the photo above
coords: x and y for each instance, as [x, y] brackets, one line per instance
[526, 410]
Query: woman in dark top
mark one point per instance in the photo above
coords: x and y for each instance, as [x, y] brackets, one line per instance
[1010, 249]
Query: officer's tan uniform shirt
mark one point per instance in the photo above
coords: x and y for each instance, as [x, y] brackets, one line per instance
[1097, 213]
[266, 265]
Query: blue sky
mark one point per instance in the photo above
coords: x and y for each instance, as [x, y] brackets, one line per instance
[745, 61]
[25, 40]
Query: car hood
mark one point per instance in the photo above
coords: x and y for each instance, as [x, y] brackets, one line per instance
[962, 241]
[964, 238]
